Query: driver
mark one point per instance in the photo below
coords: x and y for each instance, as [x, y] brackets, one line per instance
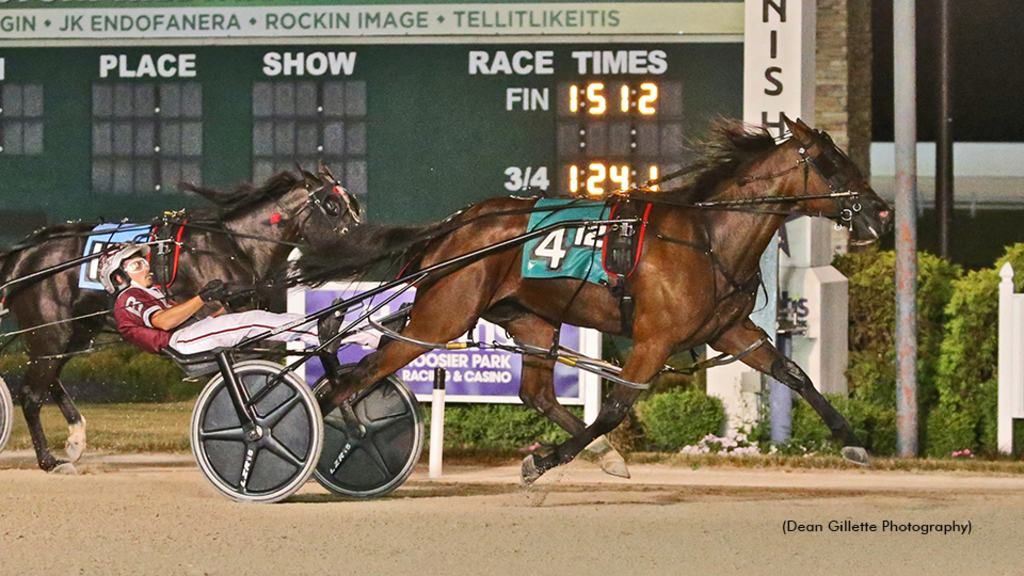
[148, 319]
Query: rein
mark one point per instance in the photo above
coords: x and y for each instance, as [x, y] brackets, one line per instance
[745, 204]
[226, 232]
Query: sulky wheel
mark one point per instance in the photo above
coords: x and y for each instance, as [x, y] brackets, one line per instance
[6, 414]
[372, 447]
[277, 463]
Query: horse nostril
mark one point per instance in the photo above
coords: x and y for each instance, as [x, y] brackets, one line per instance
[884, 214]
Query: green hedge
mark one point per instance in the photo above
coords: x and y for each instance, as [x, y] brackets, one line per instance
[497, 426]
[875, 425]
[132, 375]
[966, 378]
[679, 418]
[671, 419]
[872, 368]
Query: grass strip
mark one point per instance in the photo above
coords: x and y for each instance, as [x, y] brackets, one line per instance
[121, 428]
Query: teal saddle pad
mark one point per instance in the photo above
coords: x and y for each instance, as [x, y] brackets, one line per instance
[566, 252]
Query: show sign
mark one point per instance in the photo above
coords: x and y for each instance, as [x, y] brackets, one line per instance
[472, 375]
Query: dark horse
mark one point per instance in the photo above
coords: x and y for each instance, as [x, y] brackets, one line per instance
[245, 240]
[695, 282]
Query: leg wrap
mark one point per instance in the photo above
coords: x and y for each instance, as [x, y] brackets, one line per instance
[786, 371]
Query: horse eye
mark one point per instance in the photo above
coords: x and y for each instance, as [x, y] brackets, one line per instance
[826, 166]
[332, 206]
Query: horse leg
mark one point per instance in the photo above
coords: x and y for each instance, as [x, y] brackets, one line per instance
[81, 336]
[644, 364]
[76, 443]
[537, 389]
[33, 393]
[767, 359]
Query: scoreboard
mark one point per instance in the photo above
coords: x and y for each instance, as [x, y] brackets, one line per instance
[417, 126]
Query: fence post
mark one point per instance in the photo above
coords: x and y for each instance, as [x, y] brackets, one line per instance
[1007, 349]
[437, 423]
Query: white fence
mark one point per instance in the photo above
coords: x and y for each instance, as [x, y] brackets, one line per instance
[1011, 358]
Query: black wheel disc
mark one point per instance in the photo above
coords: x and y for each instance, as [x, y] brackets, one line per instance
[267, 468]
[373, 451]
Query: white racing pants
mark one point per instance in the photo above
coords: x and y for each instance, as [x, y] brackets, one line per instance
[230, 329]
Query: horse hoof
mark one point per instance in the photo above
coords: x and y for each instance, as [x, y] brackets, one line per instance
[75, 444]
[529, 473]
[65, 469]
[612, 463]
[616, 468]
[74, 450]
[600, 446]
[856, 454]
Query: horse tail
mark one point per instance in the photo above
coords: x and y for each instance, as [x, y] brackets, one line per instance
[364, 248]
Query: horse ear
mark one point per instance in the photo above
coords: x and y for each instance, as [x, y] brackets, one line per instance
[799, 130]
[324, 170]
[309, 177]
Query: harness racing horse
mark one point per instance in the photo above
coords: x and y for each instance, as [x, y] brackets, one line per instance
[245, 240]
[695, 282]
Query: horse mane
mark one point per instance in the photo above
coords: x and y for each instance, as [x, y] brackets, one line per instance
[364, 248]
[731, 145]
[245, 195]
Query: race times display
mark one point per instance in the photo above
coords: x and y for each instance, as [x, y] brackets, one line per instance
[415, 130]
[617, 114]
[615, 135]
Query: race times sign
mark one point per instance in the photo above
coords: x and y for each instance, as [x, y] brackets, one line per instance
[472, 375]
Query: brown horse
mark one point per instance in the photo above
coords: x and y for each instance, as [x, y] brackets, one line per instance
[695, 282]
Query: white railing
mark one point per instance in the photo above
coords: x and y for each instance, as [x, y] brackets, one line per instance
[1011, 358]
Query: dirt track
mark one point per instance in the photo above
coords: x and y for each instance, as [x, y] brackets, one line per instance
[158, 516]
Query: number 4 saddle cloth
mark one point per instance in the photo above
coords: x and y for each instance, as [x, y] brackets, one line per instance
[588, 252]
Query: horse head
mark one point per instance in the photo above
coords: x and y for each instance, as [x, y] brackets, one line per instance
[323, 209]
[845, 195]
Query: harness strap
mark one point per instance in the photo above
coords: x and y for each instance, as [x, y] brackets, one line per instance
[619, 289]
[748, 286]
[624, 238]
[159, 261]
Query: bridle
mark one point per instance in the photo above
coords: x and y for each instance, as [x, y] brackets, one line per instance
[843, 191]
[315, 205]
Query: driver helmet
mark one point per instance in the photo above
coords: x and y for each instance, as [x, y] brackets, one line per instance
[112, 275]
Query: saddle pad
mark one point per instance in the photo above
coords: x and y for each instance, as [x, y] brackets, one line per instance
[103, 236]
[566, 252]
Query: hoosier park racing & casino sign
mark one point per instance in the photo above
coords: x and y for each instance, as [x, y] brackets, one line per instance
[473, 375]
